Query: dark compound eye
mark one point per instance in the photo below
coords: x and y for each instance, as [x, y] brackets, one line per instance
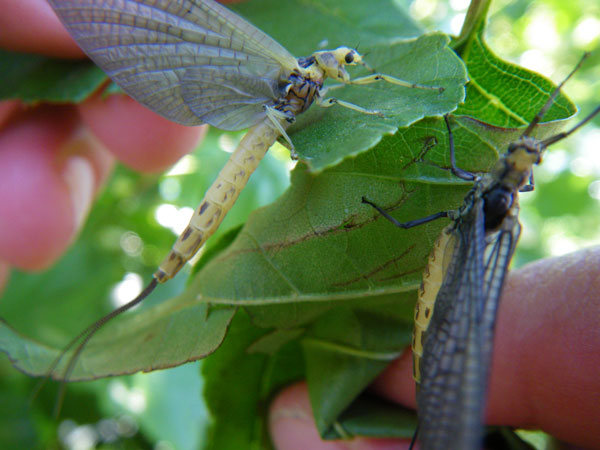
[349, 58]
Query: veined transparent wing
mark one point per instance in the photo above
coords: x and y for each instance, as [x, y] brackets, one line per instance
[191, 61]
[459, 340]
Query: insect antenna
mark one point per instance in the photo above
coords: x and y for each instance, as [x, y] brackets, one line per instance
[557, 137]
[550, 100]
[84, 337]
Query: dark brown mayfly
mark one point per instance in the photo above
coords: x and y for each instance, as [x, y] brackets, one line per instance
[462, 283]
[195, 62]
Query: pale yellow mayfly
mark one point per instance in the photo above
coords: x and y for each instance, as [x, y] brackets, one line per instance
[195, 62]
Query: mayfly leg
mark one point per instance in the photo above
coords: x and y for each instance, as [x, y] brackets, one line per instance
[326, 102]
[374, 78]
[330, 101]
[410, 223]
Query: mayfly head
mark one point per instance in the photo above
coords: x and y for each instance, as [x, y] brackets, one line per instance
[525, 153]
[332, 62]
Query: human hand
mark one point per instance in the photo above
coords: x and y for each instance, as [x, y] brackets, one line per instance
[544, 370]
[54, 158]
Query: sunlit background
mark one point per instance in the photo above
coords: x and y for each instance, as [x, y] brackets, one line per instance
[151, 411]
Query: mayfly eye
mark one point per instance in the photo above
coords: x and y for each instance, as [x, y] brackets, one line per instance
[349, 58]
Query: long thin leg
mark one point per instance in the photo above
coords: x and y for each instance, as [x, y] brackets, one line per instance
[328, 102]
[409, 224]
[274, 117]
[460, 173]
[368, 79]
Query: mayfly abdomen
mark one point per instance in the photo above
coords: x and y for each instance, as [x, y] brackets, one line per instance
[220, 197]
[433, 276]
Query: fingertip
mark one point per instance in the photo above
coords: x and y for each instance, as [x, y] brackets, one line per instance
[292, 426]
[8, 109]
[138, 137]
[291, 422]
[45, 170]
[396, 382]
[546, 357]
[41, 21]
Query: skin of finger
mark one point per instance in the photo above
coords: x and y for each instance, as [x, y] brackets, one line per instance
[23, 22]
[42, 154]
[546, 358]
[135, 135]
[547, 355]
[292, 426]
[8, 109]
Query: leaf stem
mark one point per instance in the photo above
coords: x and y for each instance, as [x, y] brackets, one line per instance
[474, 20]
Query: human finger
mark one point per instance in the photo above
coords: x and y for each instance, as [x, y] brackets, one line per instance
[50, 170]
[23, 22]
[136, 136]
[544, 369]
[292, 426]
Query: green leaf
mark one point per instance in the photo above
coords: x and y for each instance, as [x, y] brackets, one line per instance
[344, 351]
[310, 25]
[168, 335]
[238, 386]
[35, 78]
[353, 252]
[372, 416]
[325, 136]
[504, 94]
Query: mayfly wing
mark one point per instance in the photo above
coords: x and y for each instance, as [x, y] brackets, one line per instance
[498, 257]
[450, 366]
[192, 62]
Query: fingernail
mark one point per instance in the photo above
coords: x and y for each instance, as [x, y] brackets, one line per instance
[79, 176]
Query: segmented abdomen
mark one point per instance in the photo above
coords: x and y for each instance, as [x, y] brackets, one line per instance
[433, 276]
[220, 197]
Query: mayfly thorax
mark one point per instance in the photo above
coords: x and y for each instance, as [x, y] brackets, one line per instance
[197, 62]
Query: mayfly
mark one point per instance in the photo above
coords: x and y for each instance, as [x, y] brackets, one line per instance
[195, 62]
[458, 299]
